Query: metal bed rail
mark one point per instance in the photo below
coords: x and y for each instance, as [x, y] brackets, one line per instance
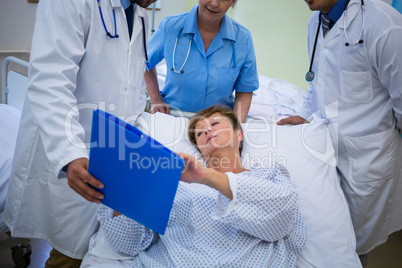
[4, 72]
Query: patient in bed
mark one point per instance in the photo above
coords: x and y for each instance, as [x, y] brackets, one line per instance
[223, 215]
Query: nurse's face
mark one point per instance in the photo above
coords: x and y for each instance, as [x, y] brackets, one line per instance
[322, 5]
[212, 11]
[216, 132]
[143, 3]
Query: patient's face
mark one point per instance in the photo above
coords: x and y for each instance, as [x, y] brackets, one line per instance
[215, 133]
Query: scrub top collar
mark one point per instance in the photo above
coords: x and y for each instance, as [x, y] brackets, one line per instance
[337, 10]
[226, 30]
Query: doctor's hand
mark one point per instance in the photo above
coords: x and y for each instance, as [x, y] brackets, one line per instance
[292, 120]
[80, 180]
[160, 107]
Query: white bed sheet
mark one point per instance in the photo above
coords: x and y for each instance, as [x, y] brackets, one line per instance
[275, 98]
[9, 122]
[307, 152]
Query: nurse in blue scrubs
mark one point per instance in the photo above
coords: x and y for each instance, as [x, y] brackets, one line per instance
[208, 57]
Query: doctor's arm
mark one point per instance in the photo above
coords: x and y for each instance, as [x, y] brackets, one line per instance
[386, 57]
[158, 105]
[57, 49]
[242, 104]
[305, 112]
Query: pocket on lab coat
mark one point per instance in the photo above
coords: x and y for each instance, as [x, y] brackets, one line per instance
[61, 190]
[356, 87]
[372, 157]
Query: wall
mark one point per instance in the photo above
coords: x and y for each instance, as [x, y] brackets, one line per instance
[18, 29]
[168, 7]
[17, 19]
[279, 30]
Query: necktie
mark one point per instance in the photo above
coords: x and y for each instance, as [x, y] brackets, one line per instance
[130, 19]
[327, 23]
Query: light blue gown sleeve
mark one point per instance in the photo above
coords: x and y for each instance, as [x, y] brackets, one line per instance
[156, 45]
[124, 234]
[247, 80]
[263, 205]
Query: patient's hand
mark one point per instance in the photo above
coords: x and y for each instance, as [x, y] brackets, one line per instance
[193, 170]
[160, 107]
[292, 120]
[79, 180]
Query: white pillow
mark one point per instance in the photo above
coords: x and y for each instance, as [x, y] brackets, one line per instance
[307, 152]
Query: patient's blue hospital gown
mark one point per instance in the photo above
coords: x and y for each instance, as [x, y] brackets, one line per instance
[260, 227]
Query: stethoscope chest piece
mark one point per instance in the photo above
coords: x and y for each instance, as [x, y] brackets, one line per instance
[310, 76]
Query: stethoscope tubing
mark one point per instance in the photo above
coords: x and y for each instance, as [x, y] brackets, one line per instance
[117, 36]
[180, 71]
[310, 74]
[104, 24]
[359, 40]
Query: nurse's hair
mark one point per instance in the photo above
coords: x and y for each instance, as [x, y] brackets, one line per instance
[207, 112]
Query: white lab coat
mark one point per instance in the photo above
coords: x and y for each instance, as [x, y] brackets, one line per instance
[358, 89]
[74, 69]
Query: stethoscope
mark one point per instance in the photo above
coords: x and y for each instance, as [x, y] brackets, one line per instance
[117, 36]
[180, 71]
[310, 74]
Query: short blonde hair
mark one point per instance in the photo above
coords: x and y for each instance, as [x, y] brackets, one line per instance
[207, 112]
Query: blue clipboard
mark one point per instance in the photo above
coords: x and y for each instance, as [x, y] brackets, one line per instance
[140, 175]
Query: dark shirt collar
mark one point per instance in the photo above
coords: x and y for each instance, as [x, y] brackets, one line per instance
[336, 11]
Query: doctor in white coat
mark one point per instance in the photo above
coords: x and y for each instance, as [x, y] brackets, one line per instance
[357, 87]
[75, 67]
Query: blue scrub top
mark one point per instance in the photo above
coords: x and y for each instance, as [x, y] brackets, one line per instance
[209, 77]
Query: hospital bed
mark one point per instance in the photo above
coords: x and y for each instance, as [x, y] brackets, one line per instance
[305, 150]
[13, 94]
